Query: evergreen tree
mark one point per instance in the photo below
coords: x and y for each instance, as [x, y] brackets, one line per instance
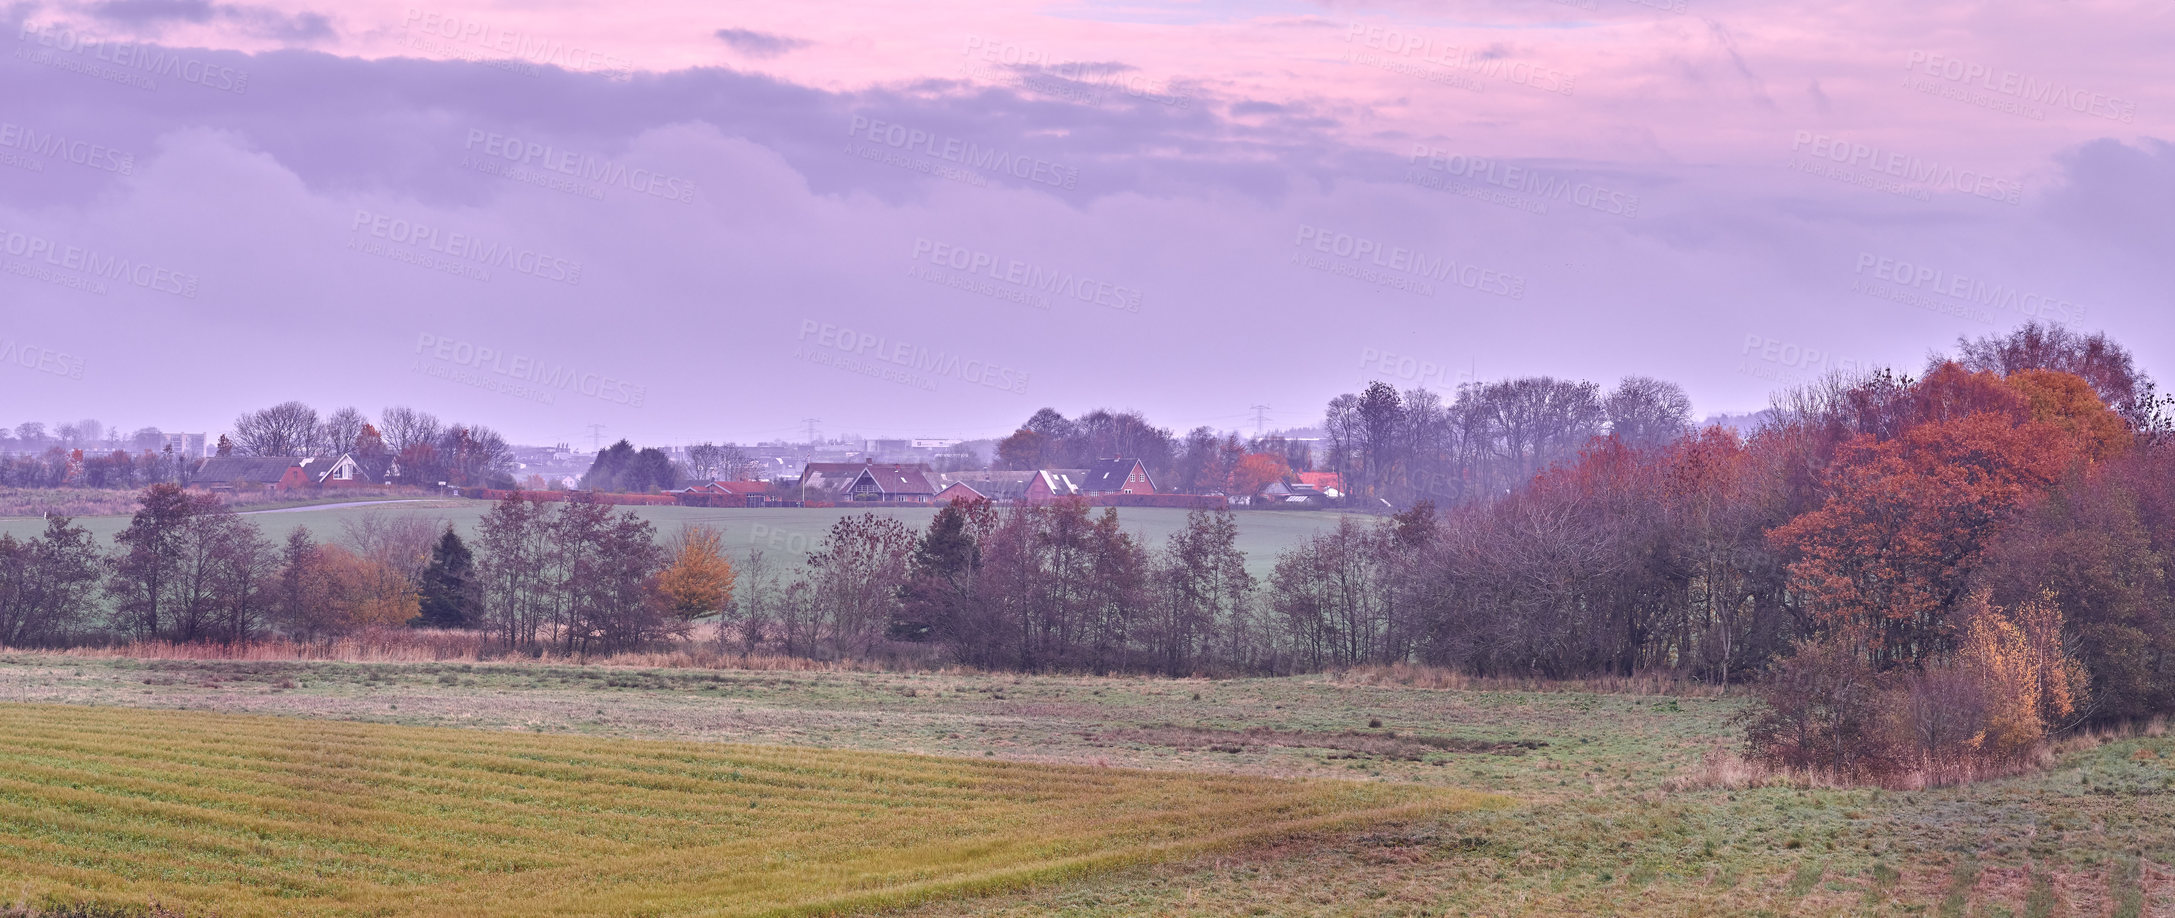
[449, 585]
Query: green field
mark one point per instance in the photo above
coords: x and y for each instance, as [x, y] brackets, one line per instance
[247, 815]
[1607, 812]
[785, 533]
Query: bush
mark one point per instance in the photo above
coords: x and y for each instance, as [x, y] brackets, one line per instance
[1984, 710]
[1823, 713]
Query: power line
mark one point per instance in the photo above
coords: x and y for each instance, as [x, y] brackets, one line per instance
[811, 422]
[596, 437]
[1259, 418]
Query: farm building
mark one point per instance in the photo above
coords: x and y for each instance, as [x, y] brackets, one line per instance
[251, 474]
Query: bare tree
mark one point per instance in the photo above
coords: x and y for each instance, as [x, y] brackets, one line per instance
[1645, 412]
[285, 429]
[404, 427]
[337, 432]
[705, 461]
[399, 541]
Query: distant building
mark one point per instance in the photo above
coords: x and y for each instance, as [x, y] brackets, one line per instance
[1329, 484]
[251, 474]
[1004, 487]
[348, 470]
[867, 481]
[1116, 476]
[725, 494]
[185, 445]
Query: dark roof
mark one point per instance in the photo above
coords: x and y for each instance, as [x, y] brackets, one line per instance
[897, 479]
[1105, 476]
[244, 469]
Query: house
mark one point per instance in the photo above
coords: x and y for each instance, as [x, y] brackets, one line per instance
[1006, 487]
[867, 481]
[348, 470]
[1116, 476]
[724, 494]
[251, 474]
[1328, 483]
[1296, 492]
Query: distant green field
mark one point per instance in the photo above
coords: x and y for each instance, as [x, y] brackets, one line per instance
[783, 533]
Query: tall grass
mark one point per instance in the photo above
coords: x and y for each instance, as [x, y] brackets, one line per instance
[243, 816]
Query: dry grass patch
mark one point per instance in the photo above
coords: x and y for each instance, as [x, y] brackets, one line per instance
[1387, 744]
[244, 815]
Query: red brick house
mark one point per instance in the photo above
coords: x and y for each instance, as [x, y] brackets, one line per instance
[1005, 487]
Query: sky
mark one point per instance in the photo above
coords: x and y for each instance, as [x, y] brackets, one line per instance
[675, 222]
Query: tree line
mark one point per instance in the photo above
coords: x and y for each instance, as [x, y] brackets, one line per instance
[403, 446]
[1938, 568]
[188, 569]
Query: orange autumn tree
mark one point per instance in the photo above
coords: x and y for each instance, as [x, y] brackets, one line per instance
[698, 581]
[1906, 521]
[2028, 678]
[1256, 471]
[2068, 404]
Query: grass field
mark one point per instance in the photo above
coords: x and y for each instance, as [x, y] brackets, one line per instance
[248, 815]
[1607, 815]
[784, 533]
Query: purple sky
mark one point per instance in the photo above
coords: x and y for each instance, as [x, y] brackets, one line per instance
[701, 221]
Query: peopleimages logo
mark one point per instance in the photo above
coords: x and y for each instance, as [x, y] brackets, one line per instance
[1792, 357]
[128, 63]
[1908, 168]
[1525, 180]
[55, 146]
[968, 153]
[1028, 276]
[883, 355]
[1399, 267]
[1960, 289]
[538, 375]
[587, 167]
[457, 253]
[525, 46]
[1398, 41]
[40, 359]
[2012, 91]
[91, 265]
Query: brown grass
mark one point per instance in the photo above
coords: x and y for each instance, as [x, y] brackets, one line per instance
[71, 502]
[1410, 675]
[433, 645]
[1388, 744]
[1725, 769]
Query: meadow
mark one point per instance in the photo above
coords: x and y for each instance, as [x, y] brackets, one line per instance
[785, 533]
[1606, 799]
[245, 815]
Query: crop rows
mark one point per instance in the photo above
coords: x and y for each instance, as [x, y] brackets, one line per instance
[251, 815]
